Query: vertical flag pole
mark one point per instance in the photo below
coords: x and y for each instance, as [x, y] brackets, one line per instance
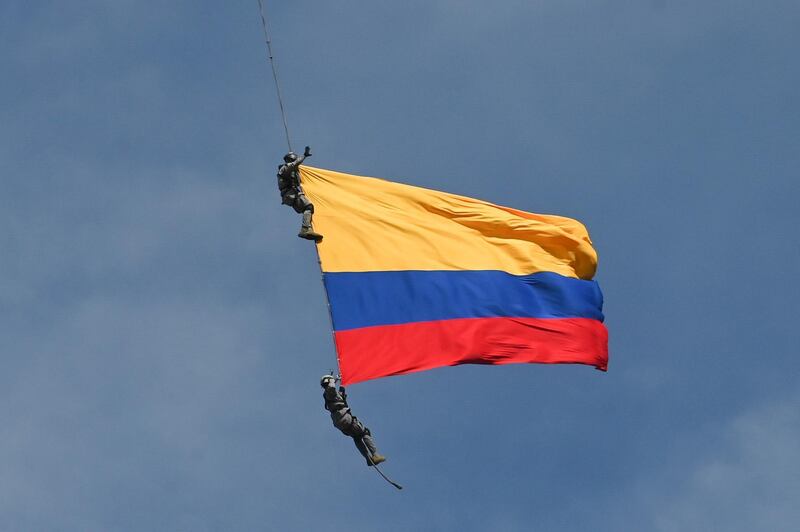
[328, 304]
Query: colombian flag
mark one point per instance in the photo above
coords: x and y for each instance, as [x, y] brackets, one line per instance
[418, 279]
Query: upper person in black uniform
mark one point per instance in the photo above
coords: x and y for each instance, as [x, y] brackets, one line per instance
[292, 193]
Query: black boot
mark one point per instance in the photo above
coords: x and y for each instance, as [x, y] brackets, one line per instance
[376, 459]
[306, 231]
[309, 234]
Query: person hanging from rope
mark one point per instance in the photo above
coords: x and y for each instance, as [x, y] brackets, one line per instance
[292, 193]
[345, 421]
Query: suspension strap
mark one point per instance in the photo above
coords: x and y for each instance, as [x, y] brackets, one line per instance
[274, 70]
[372, 464]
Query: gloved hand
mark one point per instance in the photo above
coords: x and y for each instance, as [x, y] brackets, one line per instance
[307, 152]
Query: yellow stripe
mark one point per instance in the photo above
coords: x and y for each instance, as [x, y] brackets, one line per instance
[376, 225]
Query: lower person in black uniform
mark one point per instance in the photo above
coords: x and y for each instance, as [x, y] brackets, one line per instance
[344, 420]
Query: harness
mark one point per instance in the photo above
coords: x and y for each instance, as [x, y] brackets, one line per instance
[290, 183]
[336, 401]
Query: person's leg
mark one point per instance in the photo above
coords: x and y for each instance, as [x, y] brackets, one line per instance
[362, 449]
[357, 431]
[307, 208]
[369, 442]
[365, 443]
[343, 422]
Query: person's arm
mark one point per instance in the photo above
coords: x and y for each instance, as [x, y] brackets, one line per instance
[330, 393]
[296, 164]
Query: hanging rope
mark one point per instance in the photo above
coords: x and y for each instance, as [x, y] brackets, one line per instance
[330, 315]
[316, 245]
[274, 71]
[268, 40]
[375, 466]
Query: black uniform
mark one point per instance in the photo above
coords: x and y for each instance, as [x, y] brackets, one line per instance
[292, 193]
[289, 185]
[344, 420]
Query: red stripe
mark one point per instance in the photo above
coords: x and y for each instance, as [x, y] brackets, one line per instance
[372, 352]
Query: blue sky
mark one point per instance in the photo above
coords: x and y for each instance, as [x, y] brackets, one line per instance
[162, 329]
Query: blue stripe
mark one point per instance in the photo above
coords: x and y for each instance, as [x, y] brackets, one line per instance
[365, 299]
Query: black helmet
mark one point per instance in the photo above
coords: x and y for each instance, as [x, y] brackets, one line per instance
[290, 157]
[326, 379]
